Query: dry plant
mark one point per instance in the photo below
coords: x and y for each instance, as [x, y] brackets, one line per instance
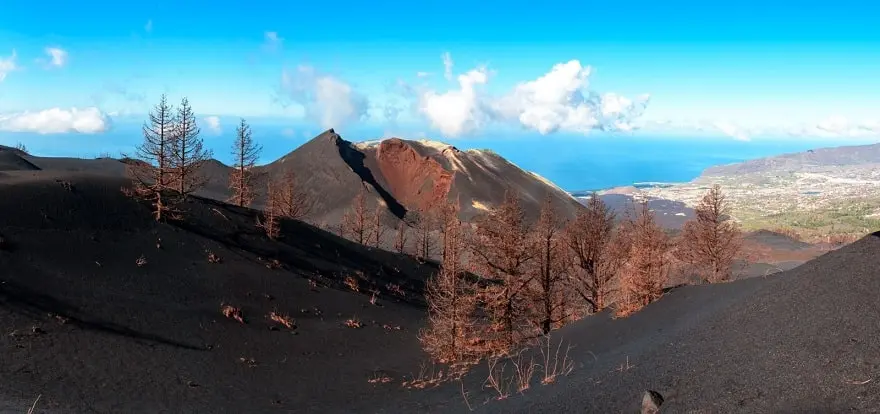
[354, 322]
[496, 379]
[273, 264]
[282, 319]
[400, 237]
[423, 222]
[596, 255]
[356, 221]
[427, 377]
[232, 312]
[502, 254]
[141, 261]
[152, 169]
[294, 203]
[241, 179]
[212, 258]
[352, 283]
[625, 366]
[34, 405]
[711, 242]
[188, 153]
[546, 292]
[377, 229]
[270, 223]
[395, 289]
[556, 362]
[524, 370]
[374, 297]
[647, 269]
[22, 148]
[379, 378]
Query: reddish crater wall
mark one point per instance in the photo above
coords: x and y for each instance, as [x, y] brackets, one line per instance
[416, 181]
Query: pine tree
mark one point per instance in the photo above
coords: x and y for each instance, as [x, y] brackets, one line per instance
[294, 202]
[647, 268]
[356, 221]
[711, 242]
[595, 261]
[151, 171]
[546, 291]
[188, 152]
[246, 152]
[270, 223]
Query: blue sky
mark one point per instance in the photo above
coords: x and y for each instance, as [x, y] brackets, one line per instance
[76, 72]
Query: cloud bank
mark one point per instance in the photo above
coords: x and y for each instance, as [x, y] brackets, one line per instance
[56, 121]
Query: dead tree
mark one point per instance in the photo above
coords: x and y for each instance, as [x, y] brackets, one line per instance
[451, 304]
[270, 222]
[294, 202]
[647, 268]
[245, 154]
[400, 238]
[711, 242]
[424, 222]
[448, 218]
[188, 153]
[547, 287]
[377, 228]
[151, 171]
[588, 238]
[356, 221]
[501, 253]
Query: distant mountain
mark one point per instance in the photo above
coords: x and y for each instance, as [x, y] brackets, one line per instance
[820, 157]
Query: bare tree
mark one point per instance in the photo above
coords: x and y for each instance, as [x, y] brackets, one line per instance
[246, 152]
[356, 221]
[448, 218]
[424, 222]
[188, 153]
[152, 168]
[647, 268]
[501, 253]
[270, 223]
[22, 148]
[588, 238]
[294, 202]
[547, 287]
[377, 228]
[711, 242]
[451, 304]
[400, 238]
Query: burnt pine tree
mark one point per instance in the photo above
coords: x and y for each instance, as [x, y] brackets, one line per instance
[547, 289]
[400, 237]
[451, 303]
[270, 222]
[188, 152]
[711, 242]
[294, 202]
[501, 252]
[588, 238]
[245, 154]
[151, 170]
[647, 268]
[356, 221]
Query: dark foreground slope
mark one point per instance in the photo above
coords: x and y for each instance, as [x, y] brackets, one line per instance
[803, 341]
[90, 331]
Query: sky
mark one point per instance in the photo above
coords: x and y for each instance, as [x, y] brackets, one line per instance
[80, 77]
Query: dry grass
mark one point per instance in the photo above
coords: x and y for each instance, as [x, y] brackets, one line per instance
[427, 377]
[352, 283]
[524, 370]
[232, 312]
[273, 264]
[374, 297]
[141, 261]
[556, 363]
[496, 379]
[34, 405]
[285, 320]
[212, 258]
[354, 323]
[395, 289]
[379, 378]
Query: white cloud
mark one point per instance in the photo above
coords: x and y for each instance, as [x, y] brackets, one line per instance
[327, 100]
[288, 132]
[56, 121]
[213, 124]
[7, 65]
[58, 56]
[422, 74]
[447, 65]
[733, 131]
[149, 26]
[273, 41]
[557, 100]
[459, 111]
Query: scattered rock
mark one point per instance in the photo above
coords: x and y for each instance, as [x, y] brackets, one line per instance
[651, 402]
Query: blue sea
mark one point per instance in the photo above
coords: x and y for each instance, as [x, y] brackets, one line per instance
[575, 163]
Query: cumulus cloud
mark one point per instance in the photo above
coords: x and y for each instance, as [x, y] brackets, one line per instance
[457, 111]
[213, 124]
[56, 121]
[327, 100]
[7, 64]
[57, 56]
[557, 100]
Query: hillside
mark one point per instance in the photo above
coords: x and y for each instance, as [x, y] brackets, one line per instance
[89, 330]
